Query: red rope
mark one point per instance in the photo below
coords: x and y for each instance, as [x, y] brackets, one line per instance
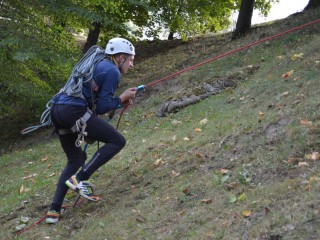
[44, 217]
[221, 56]
[233, 51]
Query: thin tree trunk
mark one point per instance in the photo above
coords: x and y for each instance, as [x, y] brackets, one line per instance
[244, 19]
[170, 37]
[93, 36]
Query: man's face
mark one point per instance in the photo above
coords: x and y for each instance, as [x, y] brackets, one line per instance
[127, 62]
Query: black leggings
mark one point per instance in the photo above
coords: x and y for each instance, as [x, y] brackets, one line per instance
[64, 117]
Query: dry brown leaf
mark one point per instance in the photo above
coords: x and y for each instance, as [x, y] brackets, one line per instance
[157, 163]
[186, 191]
[315, 156]
[287, 74]
[206, 201]
[21, 191]
[141, 218]
[297, 56]
[303, 164]
[174, 173]
[203, 121]
[261, 114]
[44, 159]
[197, 129]
[224, 171]
[294, 160]
[305, 122]
[314, 179]
[246, 213]
[198, 154]
[30, 176]
[183, 212]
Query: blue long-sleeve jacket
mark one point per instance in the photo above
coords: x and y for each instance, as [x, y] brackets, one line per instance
[106, 75]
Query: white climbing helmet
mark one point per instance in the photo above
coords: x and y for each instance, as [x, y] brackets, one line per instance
[119, 45]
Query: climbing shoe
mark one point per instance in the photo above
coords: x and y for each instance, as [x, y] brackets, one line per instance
[85, 190]
[73, 183]
[53, 216]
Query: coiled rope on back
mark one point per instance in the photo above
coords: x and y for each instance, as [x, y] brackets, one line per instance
[81, 73]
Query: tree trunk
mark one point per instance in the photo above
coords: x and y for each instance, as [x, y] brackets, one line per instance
[244, 19]
[170, 37]
[93, 36]
[312, 4]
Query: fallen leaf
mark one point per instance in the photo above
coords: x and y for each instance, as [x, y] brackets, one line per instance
[296, 56]
[176, 122]
[242, 197]
[203, 121]
[261, 114]
[198, 130]
[224, 171]
[315, 156]
[307, 187]
[287, 74]
[233, 198]
[174, 173]
[314, 179]
[44, 159]
[21, 190]
[198, 154]
[29, 176]
[141, 218]
[157, 163]
[305, 122]
[230, 186]
[294, 160]
[186, 191]
[246, 213]
[183, 212]
[206, 201]
[303, 164]
[266, 210]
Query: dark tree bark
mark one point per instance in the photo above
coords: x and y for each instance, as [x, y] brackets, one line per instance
[244, 19]
[170, 37]
[312, 4]
[93, 36]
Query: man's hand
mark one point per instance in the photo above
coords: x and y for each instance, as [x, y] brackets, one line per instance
[127, 96]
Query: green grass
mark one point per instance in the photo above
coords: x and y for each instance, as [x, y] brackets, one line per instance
[252, 130]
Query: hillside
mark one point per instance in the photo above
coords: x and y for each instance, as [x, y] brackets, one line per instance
[242, 163]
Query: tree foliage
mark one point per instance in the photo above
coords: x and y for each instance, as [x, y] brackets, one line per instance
[35, 54]
[38, 48]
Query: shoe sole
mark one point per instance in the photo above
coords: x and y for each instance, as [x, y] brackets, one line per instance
[86, 196]
[52, 221]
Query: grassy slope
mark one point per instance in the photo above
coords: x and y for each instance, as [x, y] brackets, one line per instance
[254, 131]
